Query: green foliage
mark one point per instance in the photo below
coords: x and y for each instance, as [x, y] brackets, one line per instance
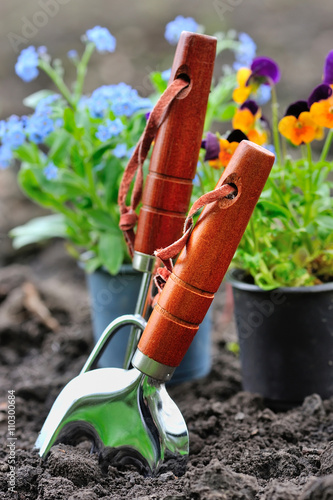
[82, 186]
[289, 241]
[73, 170]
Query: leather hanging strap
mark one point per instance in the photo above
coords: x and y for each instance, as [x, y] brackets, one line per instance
[167, 254]
[128, 216]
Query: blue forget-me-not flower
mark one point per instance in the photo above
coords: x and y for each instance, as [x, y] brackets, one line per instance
[111, 129]
[51, 171]
[174, 28]
[245, 53]
[120, 151]
[122, 99]
[5, 156]
[26, 66]
[102, 38]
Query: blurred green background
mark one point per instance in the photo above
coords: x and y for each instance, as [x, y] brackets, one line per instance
[297, 33]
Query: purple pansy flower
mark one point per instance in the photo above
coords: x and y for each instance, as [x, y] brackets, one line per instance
[212, 146]
[236, 136]
[319, 93]
[251, 106]
[265, 70]
[296, 108]
[328, 69]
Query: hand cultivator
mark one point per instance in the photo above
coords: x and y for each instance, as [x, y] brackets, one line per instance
[177, 121]
[127, 413]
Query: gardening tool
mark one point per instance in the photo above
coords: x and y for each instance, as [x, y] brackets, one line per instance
[172, 167]
[128, 414]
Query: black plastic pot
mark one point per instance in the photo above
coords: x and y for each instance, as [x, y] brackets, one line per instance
[286, 341]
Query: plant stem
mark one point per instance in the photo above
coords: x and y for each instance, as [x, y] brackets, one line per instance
[254, 237]
[275, 120]
[82, 71]
[57, 80]
[327, 145]
[91, 183]
[226, 44]
[310, 165]
[308, 146]
[202, 186]
[308, 193]
[283, 201]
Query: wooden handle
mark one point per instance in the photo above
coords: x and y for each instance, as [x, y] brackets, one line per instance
[175, 155]
[205, 259]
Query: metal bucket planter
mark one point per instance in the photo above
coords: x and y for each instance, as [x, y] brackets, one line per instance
[286, 340]
[113, 296]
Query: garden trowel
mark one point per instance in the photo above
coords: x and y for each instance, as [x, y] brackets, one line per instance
[128, 414]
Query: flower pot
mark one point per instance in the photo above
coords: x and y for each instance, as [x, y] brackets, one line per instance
[286, 341]
[113, 296]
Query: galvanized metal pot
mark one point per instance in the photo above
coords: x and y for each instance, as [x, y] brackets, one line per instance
[286, 340]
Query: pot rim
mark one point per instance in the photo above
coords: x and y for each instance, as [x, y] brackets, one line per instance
[236, 282]
[124, 268]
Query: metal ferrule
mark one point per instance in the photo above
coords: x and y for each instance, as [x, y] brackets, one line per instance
[152, 368]
[143, 262]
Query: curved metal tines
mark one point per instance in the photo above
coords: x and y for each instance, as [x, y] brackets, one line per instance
[116, 408]
[129, 418]
[77, 431]
[110, 331]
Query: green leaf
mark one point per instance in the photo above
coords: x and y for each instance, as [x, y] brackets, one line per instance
[28, 152]
[32, 100]
[69, 120]
[39, 229]
[60, 147]
[92, 264]
[102, 220]
[158, 82]
[31, 187]
[52, 193]
[99, 152]
[227, 111]
[77, 160]
[301, 256]
[111, 251]
[273, 209]
[325, 221]
[113, 170]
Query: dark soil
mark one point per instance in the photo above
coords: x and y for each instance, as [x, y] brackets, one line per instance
[239, 449]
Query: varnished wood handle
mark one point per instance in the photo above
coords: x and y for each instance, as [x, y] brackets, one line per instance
[205, 259]
[175, 154]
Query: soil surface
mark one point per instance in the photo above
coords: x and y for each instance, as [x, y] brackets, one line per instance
[239, 449]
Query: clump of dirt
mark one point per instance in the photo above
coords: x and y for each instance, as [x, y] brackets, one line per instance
[239, 449]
